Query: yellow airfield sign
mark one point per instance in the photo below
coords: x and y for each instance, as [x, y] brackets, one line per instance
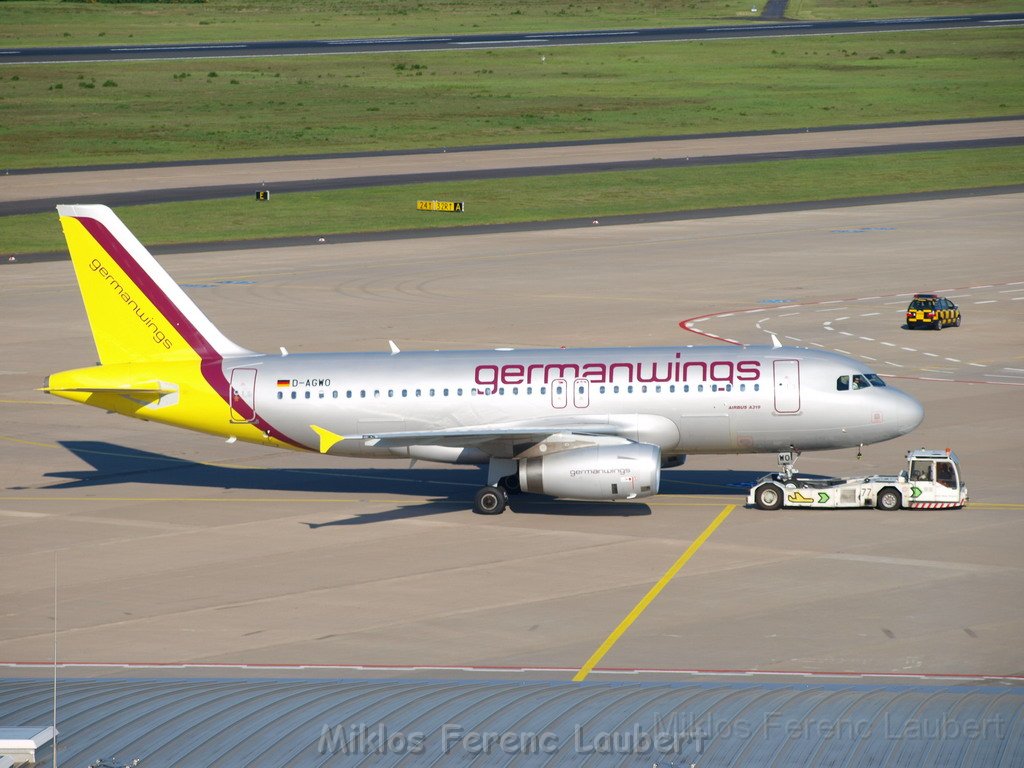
[447, 206]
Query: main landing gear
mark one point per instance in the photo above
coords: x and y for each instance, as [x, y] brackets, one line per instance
[503, 480]
[490, 501]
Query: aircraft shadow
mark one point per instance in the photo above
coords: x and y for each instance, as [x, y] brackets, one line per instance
[521, 504]
[115, 464]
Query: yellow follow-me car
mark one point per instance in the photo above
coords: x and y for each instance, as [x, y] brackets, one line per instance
[933, 311]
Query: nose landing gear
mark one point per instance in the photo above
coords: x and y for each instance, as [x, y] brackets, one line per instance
[787, 460]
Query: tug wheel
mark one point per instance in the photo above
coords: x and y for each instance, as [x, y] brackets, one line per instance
[768, 496]
[889, 500]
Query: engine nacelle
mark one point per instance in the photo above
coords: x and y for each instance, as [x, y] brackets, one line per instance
[600, 472]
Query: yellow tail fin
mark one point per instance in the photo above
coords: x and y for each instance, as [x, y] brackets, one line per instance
[136, 311]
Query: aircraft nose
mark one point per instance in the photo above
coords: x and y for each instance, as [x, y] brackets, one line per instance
[909, 413]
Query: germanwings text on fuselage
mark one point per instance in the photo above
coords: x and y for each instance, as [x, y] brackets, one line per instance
[721, 371]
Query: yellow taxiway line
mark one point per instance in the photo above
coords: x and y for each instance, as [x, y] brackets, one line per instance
[652, 593]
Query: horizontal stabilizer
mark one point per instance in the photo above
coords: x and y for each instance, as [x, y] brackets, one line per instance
[127, 391]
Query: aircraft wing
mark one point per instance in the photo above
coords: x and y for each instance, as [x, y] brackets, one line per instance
[479, 435]
[475, 436]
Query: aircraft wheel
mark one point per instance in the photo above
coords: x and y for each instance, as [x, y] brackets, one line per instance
[768, 496]
[490, 501]
[888, 500]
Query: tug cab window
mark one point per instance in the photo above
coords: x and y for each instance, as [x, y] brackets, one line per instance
[945, 474]
[921, 471]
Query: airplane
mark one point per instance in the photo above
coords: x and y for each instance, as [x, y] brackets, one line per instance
[593, 424]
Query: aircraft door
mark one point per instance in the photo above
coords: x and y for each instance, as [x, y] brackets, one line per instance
[787, 386]
[581, 393]
[243, 395]
[559, 393]
[946, 486]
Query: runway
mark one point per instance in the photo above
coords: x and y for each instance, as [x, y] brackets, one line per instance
[41, 190]
[121, 53]
[174, 547]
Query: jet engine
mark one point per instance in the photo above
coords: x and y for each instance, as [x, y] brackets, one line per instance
[600, 472]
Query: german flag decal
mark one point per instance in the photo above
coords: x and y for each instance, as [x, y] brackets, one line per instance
[284, 382]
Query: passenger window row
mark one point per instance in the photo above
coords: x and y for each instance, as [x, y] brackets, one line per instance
[603, 389]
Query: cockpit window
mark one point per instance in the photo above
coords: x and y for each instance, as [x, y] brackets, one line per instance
[859, 381]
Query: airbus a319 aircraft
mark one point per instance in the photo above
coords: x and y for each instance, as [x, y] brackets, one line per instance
[574, 423]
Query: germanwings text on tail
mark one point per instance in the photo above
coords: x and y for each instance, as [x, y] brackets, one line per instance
[575, 423]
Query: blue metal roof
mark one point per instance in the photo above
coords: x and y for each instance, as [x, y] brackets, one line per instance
[239, 722]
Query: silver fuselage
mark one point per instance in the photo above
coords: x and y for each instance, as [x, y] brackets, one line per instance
[686, 400]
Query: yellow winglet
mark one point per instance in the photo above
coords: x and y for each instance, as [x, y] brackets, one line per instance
[327, 438]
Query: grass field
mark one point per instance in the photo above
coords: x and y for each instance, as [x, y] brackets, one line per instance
[48, 22]
[81, 114]
[894, 9]
[55, 115]
[542, 198]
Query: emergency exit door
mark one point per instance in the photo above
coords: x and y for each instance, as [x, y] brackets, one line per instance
[787, 386]
[581, 393]
[559, 393]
